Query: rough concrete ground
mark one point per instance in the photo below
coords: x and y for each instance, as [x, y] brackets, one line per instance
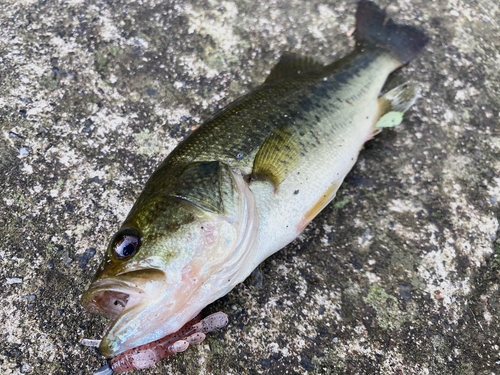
[400, 275]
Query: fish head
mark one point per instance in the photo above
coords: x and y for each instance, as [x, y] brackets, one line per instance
[170, 259]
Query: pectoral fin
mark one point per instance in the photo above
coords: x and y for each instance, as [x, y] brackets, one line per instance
[278, 156]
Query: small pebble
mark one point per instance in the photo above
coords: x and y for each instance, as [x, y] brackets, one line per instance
[104, 370]
[24, 151]
[91, 343]
[25, 368]
[14, 135]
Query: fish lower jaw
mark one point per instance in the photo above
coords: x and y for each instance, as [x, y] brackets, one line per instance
[125, 312]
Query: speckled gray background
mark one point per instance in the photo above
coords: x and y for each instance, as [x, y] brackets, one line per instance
[400, 276]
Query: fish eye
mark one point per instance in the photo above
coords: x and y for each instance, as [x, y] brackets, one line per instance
[126, 243]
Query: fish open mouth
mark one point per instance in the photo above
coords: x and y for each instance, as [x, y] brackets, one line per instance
[110, 303]
[112, 296]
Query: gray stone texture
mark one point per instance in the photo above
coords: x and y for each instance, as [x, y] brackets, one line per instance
[400, 275]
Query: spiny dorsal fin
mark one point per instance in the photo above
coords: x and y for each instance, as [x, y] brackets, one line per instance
[292, 65]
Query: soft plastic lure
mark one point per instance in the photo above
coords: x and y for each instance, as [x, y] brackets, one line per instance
[146, 356]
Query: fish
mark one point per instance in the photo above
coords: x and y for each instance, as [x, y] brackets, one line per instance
[247, 182]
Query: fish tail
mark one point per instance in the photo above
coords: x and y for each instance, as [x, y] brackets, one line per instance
[374, 29]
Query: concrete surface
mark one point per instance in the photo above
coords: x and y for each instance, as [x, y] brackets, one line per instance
[400, 276]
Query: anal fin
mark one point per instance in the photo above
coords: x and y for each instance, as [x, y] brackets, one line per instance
[318, 207]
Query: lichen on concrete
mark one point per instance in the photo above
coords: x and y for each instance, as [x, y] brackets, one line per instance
[400, 275]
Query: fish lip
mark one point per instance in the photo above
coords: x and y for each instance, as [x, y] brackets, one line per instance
[113, 296]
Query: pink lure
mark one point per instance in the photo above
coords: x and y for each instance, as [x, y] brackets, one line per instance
[145, 356]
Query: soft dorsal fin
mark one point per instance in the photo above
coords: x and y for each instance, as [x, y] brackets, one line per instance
[292, 65]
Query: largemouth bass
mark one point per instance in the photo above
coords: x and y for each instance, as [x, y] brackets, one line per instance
[246, 183]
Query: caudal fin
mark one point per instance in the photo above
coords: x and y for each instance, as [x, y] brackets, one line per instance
[375, 30]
